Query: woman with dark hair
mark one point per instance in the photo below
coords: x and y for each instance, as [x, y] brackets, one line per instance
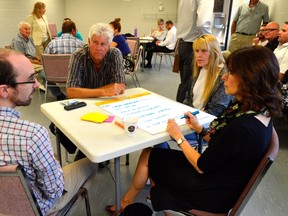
[119, 41]
[238, 139]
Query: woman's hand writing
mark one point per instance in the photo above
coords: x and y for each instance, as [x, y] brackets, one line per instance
[193, 123]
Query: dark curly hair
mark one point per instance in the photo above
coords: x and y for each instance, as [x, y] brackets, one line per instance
[257, 69]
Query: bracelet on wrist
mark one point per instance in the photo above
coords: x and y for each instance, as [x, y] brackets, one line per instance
[204, 132]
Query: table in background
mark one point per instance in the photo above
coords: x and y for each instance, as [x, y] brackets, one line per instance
[101, 142]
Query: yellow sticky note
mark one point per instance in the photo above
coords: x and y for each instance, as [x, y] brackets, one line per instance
[96, 117]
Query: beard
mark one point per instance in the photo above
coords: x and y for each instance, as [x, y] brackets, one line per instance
[21, 102]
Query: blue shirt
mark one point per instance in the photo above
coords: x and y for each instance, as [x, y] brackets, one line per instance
[28, 144]
[78, 35]
[25, 46]
[66, 44]
[122, 44]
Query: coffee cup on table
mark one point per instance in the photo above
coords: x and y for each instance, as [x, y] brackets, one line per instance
[130, 125]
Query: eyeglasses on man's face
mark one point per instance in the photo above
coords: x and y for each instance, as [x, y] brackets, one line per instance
[31, 80]
[268, 30]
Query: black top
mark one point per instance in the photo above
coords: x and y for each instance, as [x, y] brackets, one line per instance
[272, 44]
[228, 163]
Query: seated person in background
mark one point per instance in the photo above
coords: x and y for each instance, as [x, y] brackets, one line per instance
[159, 34]
[260, 37]
[27, 144]
[65, 44]
[119, 41]
[166, 46]
[281, 52]
[238, 139]
[207, 92]
[78, 34]
[271, 34]
[24, 43]
[96, 70]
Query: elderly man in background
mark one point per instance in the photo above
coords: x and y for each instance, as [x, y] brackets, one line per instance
[271, 34]
[281, 52]
[23, 42]
[246, 23]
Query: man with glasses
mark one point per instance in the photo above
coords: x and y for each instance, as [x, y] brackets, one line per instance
[96, 70]
[271, 34]
[246, 23]
[28, 144]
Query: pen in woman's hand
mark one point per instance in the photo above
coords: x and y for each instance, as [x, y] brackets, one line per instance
[193, 113]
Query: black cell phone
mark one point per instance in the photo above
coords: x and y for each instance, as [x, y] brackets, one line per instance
[75, 105]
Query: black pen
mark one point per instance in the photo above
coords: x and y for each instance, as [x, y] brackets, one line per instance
[193, 113]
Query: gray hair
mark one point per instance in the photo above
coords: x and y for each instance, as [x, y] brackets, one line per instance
[23, 23]
[101, 29]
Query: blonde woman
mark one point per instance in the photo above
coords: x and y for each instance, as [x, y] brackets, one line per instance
[207, 91]
[39, 27]
[160, 33]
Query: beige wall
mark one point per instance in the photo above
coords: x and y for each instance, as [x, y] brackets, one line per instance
[14, 11]
[134, 13]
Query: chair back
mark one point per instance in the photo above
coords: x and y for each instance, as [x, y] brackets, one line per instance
[258, 175]
[133, 45]
[53, 30]
[15, 195]
[56, 67]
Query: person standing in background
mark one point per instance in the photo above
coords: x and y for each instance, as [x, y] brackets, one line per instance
[246, 23]
[39, 27]
[194, 19]
[78, 34]
[159, 34]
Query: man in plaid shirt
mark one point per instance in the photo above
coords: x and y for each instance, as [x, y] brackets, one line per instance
[28, 144]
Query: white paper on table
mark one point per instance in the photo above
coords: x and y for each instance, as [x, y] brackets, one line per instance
[153, 112]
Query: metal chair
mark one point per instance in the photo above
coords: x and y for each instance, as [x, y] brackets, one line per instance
[132, 71]
[16, 194]
[169, 55]
[249, 189]
[55, 67]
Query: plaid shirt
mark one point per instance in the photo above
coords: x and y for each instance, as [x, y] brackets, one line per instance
[82, 72]
[65, 44]
[25, 46]
[28, 144]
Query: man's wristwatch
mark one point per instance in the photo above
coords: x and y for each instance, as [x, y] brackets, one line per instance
[181, 140]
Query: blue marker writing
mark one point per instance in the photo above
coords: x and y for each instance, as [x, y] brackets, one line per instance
[193, 113]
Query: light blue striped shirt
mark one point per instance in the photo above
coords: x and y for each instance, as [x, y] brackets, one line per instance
[66, 44]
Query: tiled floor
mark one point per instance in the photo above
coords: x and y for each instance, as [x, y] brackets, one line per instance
[270, 198]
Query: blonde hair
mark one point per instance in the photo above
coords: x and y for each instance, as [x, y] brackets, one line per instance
[37, 7]
[208, 42]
